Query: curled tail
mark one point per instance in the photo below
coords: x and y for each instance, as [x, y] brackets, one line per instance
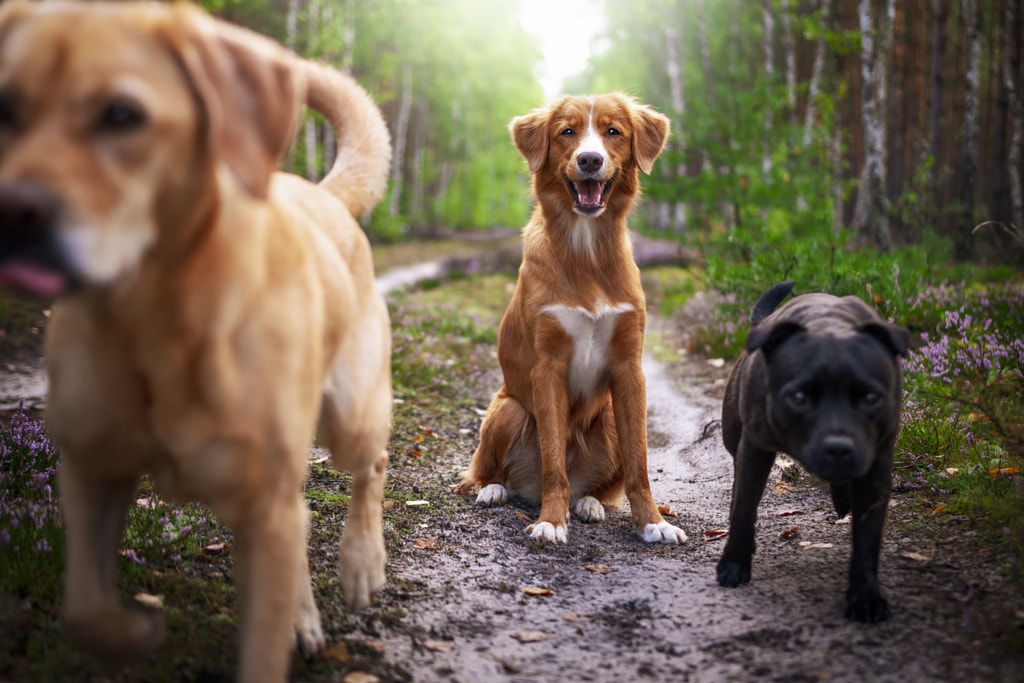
[359, 175]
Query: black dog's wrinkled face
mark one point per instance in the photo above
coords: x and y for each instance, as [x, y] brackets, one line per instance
[833, 400]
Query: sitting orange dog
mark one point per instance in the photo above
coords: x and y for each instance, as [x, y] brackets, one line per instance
[569, 424]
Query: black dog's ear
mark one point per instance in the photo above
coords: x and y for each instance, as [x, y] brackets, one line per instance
[895, 338]
[769, 339]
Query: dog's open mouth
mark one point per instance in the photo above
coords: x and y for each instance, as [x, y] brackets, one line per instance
[589, 195]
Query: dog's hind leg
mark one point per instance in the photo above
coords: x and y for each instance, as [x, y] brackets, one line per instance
[309, 633]
[93, 616]
[503, 429]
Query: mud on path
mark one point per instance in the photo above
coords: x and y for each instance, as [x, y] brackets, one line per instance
[623, 610]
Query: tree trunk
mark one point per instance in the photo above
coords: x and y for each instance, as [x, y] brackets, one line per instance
[872, 215]
[1011, 76]
[400, 135]
[940, 12]
[674, 69]
[769, 74]
[972, 106]
[790, 46]
[419, 143]
[815, 84]
[448, 165]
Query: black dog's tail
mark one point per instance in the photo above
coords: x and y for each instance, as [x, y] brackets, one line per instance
[769, 301]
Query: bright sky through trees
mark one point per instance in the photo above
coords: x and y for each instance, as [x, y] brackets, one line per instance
[566, 30]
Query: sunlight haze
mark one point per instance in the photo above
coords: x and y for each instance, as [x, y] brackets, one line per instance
[566, 30]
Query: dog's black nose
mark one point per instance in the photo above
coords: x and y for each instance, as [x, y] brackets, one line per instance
[27, 210]
[838, 448]
[589, 162]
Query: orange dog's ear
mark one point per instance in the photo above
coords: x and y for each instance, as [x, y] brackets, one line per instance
[650, 133]
[249, 93]
[530, 135]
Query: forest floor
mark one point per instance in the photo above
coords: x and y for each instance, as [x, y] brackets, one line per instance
[471, 598]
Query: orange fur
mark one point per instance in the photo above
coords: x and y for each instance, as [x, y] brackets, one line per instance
[570, 419]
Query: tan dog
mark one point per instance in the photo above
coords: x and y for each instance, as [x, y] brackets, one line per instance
[215, 313]
[569, 424]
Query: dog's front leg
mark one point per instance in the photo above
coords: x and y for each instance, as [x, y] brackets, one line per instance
[629, 403]
[864, 599]
[551, 404]
[751, 467]
[270, 542]
[93, 616]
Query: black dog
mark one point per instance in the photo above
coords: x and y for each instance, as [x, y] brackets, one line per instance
[819, 380]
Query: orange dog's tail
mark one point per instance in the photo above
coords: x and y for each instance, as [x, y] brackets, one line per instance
[359, 176]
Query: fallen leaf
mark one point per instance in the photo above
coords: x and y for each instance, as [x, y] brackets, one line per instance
[389, 505]
[337, 652]
[599, 569]
[535, 590]
[781, 489]
[716, 362]
[666, 510]
[530, 636]
[792, 532]
[360, 677]
[787, 513]
[523, 515]
[376, 647]
[416, 453]
[807, 545]
[714, 534]
[916, 556]
[938, 509]
[147, 600]
[438, 645]
[576, 616]
[845, 519]
[416, 503]
[214, 548]
[952, 470]
[418, 438]
[423, 543]
[1004, 471]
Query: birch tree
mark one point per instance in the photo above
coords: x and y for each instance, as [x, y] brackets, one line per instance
[674, 69]
[769, 74]
[399, 137]
[872, 215]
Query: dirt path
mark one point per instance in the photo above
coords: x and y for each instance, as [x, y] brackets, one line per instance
[656, 613]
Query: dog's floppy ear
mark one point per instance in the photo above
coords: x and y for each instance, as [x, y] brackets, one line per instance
[530, 135]
[650, 133]
[894, 337]
[770, 338]
[248, 90]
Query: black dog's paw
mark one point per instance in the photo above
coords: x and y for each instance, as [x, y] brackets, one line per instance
[732, 573]
[867, 605]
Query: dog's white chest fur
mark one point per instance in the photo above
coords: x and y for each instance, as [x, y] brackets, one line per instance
[591, 333]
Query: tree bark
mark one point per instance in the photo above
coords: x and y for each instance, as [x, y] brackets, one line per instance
[674, 69]
[790, 46]
[972, 105]
[1011, 75]
[872, 215]
[400, 136]
[769, 74]
[815, 84]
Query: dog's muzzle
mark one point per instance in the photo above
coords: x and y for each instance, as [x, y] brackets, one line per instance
[31, 257]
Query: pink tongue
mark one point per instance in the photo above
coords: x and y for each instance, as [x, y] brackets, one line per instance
[32, 278]
[589, 192]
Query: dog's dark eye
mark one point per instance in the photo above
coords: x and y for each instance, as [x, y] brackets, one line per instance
[568, 131]
[120, 117]
[797, 399]
[614, 131]
[872, 399]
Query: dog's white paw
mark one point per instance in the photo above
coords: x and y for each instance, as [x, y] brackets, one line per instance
[492, 494]
[589, 509]
[663, 532]
[547, 532]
